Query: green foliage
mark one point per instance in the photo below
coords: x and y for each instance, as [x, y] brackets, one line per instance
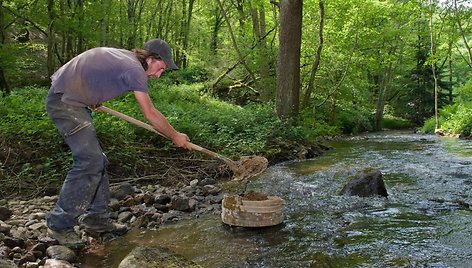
[459, 122]
[429, 126]
[186, 76]
[393, 122]
[353, 121]
[465, 91]
[42, 156]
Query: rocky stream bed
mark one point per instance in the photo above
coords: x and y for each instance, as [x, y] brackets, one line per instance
[23, 230]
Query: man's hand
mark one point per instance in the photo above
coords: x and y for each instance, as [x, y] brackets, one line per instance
[181, 140]
[94, 107]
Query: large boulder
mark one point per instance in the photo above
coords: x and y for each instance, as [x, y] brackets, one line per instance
[365, 182]
[146, 257]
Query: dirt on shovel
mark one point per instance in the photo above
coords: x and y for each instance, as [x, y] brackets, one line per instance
[247, 167]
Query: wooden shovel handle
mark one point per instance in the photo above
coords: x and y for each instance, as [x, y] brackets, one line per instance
[150, 128]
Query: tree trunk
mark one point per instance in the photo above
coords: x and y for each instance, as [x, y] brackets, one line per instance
[316, 63]
[218, 20]
[103, 23]
[288, 65]
[134, 15]
[152, 20]
[433, 64]
[450, 97]
[4, 86]
[242, 15]
[80, 34]
[384, 78]
[259, 29]
[51, 34]
[185, 33]
[461, 31]
[235, 45]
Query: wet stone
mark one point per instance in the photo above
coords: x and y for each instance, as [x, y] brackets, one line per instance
[53, 263]
[145, 257]
[61, 253]
[364, 183]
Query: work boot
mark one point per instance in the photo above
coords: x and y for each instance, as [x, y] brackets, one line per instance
[68, 238]
[97, 228]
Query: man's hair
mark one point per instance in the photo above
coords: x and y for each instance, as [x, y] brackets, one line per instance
[142, 55]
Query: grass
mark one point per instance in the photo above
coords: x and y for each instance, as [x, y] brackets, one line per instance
[34, 159]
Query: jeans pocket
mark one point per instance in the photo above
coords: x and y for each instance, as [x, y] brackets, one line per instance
[78, 128]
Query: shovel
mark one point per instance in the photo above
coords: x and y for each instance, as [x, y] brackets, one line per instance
[245, 168]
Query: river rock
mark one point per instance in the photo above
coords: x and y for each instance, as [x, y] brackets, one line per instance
[162, 199]
[12, 242]
[61, 253]
[7, 264]
[211, 189]
[365, 182]
[180, 203]
[52, 263]
[5, 213]
[145, 257]
[4, 228]
[121, 191]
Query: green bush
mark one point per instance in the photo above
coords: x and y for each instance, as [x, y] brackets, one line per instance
[392, 122]
[429, 126]
[459, 122]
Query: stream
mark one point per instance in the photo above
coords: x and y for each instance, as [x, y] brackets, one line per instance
[425, 222]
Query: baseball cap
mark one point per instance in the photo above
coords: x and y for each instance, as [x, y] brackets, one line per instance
[160, 48]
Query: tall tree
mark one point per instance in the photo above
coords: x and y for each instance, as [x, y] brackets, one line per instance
[316, 62]
[235, 45]
[462, 33]
[259, 30]
[288, 64]
[181, 53]
[4, 86]
[433, 62]
[51, 40]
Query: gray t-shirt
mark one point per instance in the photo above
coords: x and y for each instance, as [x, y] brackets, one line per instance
[98, 75]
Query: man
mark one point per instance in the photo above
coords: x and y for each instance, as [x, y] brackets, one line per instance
[85, 82]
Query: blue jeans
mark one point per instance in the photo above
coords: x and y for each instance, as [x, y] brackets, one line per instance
[85, 191]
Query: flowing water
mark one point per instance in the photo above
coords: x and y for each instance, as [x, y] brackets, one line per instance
[425, 222]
